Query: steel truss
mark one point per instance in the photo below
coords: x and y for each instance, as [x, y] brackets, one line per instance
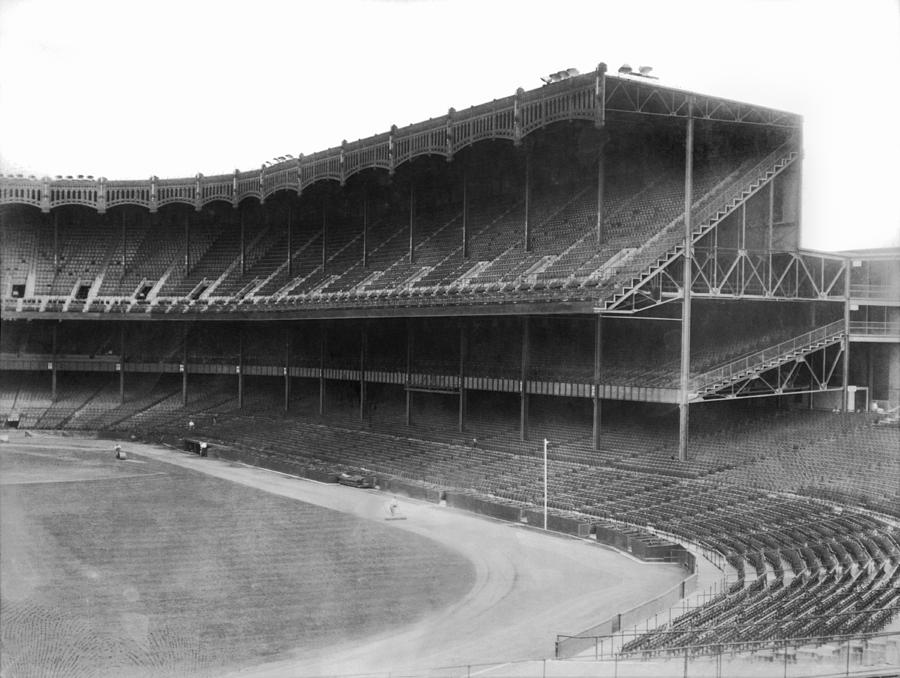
[808, 373]
[743, 274]
[661, 278]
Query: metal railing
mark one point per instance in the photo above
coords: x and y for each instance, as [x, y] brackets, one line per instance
[742, 365]
[873, 654]
[886, 292]
[876, 329]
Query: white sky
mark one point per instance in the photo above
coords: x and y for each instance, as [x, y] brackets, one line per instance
[129, 88]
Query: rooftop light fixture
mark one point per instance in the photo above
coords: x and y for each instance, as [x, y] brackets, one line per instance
[560, 75]
[642, 72]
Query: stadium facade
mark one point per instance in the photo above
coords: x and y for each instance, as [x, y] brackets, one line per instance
[561, 207]
[596, 250]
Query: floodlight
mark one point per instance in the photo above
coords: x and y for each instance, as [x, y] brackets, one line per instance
[625, 69]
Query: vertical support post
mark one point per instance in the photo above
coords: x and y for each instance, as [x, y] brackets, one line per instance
[323, 348]
[742, 251]
[546, 482]
[598, 355]
[287, 368]
[363, 346]
[122, 362]
[601, 189]
[412, 223]
[465, 215]
[240, 368]
[243, 244]
[365, 234]
[463, 348]
[527, 199]
[683, 419]
[845, 363]
[523, 380]
[56, 240]
[53, 368]
[799, 190]
[187, 244]
[124, 243]
[410, 336]
[870, 373]
[290, 242]
[324, 235]
[770, 233]
[184, 365]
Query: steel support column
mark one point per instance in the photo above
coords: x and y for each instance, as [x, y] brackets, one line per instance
[527, 200]
[465, 215]
[799, 194]
[601, 189]
[323, 348]
[187, 244]
[683, 402]
[56, 240]
[184, 365]
[324, 236]
[240, 368]
[598, 355]
[287, 369]
[122, 363]
[410, 336]
[53, 368]
[124, 243]
[742, 280]
[770, 234]
[243, 243]
[523, 380]
[870, 373]
[365, 233]
[463, 348]
[845, 343]
[290, 243]
[363, 346]
[412, 223]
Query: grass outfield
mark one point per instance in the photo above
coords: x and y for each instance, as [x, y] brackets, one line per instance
[145, 568]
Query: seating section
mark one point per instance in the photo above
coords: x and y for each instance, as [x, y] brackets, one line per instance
[561, 260]
[19, 247]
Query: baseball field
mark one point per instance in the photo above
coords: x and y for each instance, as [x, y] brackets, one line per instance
[171, 565]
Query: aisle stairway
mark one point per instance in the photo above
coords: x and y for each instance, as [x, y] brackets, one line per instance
[663, 249]
[755, 364]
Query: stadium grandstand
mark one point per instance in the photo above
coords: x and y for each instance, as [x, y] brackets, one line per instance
[605, 270]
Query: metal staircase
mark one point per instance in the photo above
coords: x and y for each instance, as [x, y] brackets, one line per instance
[668, 245]
[753, 365]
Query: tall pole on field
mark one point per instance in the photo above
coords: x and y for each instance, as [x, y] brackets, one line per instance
[545, 482]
